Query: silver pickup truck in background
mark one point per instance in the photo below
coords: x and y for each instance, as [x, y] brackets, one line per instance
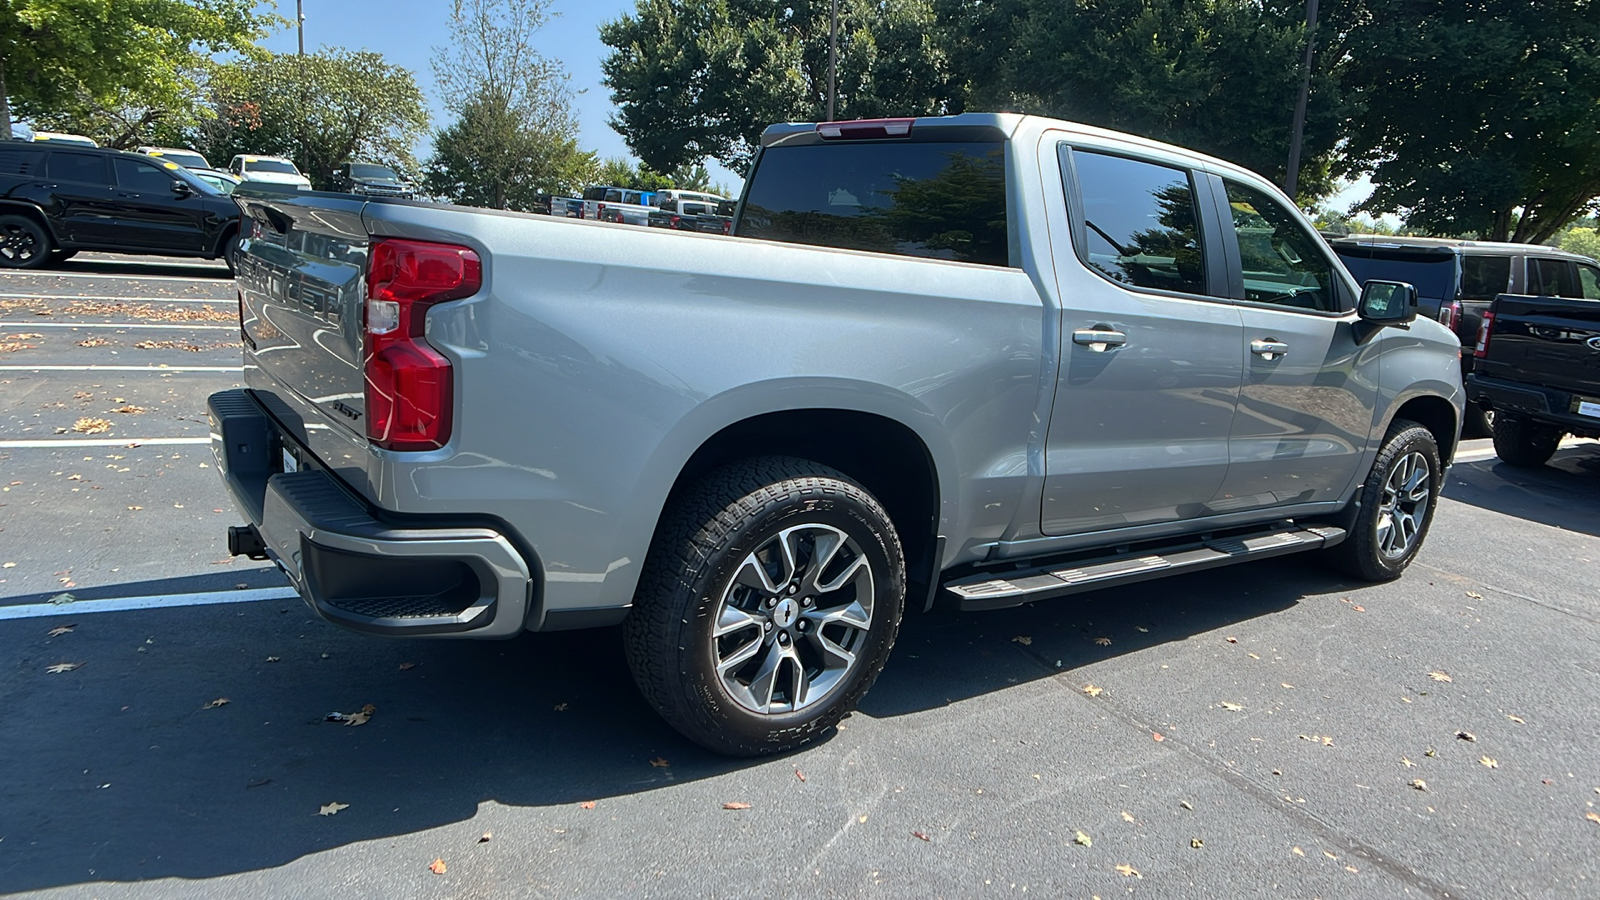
[981, 360]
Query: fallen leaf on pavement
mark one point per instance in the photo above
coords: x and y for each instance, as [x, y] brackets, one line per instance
[735, 804]
[1082, 840]
[1298, 852]
[1439, 676]
[486, 837]
[361, 717]
[1593, 817]
[1196, 843]
[659, 763]
[1488, 762]
[861, 820]
[332, 809]
[406, 667]
[1407, 763]
[561, 707]
[1157, 736]
[920, 836]
[1103, 641]
[799, 774]
[1023, 639]
[1230, 707]
[9, 565]
[1185, 804]
[1431, 753]
[1466, 736]
[1092, 690]
[1359, 608]
[1329, 855]
[59, 630]
[438, 867]
[1232, 640]
[1419, 784]
[1474, 595]
[1128, 871]
[220, 701]
[58, 668]
[587, 804]
[1352, 870]
[88, 425]
[1518, 719]
[61, 599]
[272, 659]
[129, 408]
[1127, 816]
[257, 782]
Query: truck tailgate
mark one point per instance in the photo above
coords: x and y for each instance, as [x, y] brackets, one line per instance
[302, 288]
[1553, 341]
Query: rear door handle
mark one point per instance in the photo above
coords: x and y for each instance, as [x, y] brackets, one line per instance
[1099, 339]
[1269, 350]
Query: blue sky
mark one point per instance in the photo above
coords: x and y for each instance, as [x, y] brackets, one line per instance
[406, 31]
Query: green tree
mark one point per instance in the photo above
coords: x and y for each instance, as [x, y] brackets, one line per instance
[702, 78]
[1581, 240]
[619, 172]
[116, 69]
[320, 110]
[514, 134]
[1475, 117]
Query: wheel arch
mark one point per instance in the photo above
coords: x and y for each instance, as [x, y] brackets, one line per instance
[1436, 414]
[32, 211]
[221, 246]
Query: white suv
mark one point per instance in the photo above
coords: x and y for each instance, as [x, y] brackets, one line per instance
[268, 170]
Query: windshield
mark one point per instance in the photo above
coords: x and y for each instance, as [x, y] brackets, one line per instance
[364, 170]
[275, 166]
[182, 158]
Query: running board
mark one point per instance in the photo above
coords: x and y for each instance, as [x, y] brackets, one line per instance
[987, 591]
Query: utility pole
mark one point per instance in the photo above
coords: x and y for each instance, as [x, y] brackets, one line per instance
[833, 58]
[1291, 180]
[300, 22]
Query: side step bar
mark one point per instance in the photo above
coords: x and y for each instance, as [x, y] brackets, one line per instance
[987, 590]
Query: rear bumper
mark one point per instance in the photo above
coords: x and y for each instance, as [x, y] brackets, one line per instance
[1544, 404]
[378, 575]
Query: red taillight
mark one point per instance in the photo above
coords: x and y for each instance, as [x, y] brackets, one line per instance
[1450, 314]
[1483, 336]
[864, 129]
[675, 220]
[727, 227]
[408, 384]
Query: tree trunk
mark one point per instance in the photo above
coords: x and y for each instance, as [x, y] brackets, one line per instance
[5, 105]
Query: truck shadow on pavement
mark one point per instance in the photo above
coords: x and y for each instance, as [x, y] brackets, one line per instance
[133, 267]
[131, 768]
[1561, 493]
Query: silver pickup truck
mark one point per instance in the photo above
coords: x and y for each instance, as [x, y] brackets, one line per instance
[982, 360]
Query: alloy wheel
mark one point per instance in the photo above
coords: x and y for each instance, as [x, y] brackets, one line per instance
[1403, 508]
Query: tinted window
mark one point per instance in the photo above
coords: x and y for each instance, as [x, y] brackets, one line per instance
[182, 158]
[275, 166]
[364, 170]
[1553, 278]
[1140, 223]
[134, 175]
[1283, 263]
[20, 161]
[1484, 276]
[1589, 279]
[928, 199]
[1433, 274]
[78, 167]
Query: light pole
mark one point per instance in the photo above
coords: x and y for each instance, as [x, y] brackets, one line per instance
[1291, 180]
[833, 57]
[300, 23]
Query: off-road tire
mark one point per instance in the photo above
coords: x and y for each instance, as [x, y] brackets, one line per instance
[706, 534]
[1361, 555]
[24, 243]
[1524, 443]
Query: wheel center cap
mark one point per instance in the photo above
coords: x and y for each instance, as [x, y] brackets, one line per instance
[784, 614]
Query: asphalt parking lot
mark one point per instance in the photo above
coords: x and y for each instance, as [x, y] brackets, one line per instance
[1263, 731]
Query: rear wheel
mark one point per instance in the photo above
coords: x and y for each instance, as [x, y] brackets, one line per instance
[24, 244]
[767, 607]
[1397, 503]
[230, 253]
[1519, 441]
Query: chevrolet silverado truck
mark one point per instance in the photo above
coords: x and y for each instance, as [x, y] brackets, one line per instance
[1537, 368]
[982, 360]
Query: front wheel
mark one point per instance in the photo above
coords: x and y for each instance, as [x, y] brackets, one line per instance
[767, 607]
[24, 244]
[1524, 443]
[1397, 503]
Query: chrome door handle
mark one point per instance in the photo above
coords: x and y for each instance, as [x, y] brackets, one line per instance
[1269, 350]
[1099, 339]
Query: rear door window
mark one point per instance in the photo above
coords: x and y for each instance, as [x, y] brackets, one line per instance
[1283, 263]
[1141, 223]
[932, 199]
[1589, 281]
[1482, 277]
[133, 175]
[1553, 278]
[89, 168]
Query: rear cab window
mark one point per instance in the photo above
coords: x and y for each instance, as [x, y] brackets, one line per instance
[920, 196]
[20, 161]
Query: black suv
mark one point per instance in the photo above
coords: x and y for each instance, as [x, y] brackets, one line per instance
[1457, 280]
[373, 180]
[55, 201]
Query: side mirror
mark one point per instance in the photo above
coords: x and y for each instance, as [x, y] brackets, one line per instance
[181, 188]
[1388, 303]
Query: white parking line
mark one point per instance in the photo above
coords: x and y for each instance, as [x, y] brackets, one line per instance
[121, 368]
[231, 301]
[115, 325]
[155, 601]
[200, 273]
[56, 444]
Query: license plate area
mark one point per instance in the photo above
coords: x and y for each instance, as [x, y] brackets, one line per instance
[1586, 406]
[290, 463]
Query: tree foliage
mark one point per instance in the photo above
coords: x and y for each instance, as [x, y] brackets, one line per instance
[1479, 116]
[514, 135]
[116, 69]
[320, 110]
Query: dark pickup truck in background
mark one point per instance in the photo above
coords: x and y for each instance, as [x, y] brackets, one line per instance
[1456, 280]
[1537, 367]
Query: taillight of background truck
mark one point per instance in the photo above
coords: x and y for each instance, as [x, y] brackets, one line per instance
[1483, 336]
[408, 384]
[1450, 314]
